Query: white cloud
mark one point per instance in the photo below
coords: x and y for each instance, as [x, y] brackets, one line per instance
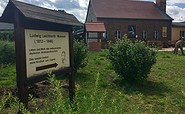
[79, 7]
[169, 1]
[47, 5]
[176, 13]
[79, 14]
[53, 1]
[83, 3]
[172, 2]
[3, 4]
[1, 8]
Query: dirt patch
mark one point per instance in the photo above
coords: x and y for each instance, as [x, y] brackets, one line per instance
[39, 91]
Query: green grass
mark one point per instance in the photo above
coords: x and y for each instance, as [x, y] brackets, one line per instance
[163, 92]
[100, 92]
[8, 76]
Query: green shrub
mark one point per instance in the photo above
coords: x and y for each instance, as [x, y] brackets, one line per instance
[7, 52]
[8, 35]
[132, 61]
[80, 54]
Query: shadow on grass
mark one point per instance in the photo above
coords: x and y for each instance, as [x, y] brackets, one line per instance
[147, 88]
[78, 76]
[81, 77]
[181, 54]
[63, 76]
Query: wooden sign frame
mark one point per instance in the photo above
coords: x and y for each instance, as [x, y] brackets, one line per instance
[21, 23]
[26, 16]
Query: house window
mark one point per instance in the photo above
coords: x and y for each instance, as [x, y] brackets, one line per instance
[155, 35]
[105, 35]
[93, 35]
[132, 31]
[182, 34]
[118, 34]
[164, 31]
[144, 35]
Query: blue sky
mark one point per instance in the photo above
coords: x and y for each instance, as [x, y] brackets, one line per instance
[181, 5]
[175, 8]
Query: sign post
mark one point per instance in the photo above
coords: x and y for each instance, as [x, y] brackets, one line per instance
[20, 66]
[72, 72]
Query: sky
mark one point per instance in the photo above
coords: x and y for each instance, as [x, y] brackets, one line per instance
[175, 8]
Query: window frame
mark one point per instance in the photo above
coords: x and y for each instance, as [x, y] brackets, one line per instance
[118, 34]
[144, 35]
[134, 31]
[156, 35]
[182, 34]
[105, 35]
[164, 32]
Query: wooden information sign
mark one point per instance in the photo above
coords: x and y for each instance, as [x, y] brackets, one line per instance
[46, 51]
[43, 42]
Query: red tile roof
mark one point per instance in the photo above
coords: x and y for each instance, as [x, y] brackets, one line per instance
[128, 9]
[95, 27]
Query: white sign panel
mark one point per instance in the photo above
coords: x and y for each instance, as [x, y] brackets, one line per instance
[46, 51]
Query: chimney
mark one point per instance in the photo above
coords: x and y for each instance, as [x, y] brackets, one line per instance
[162, 5]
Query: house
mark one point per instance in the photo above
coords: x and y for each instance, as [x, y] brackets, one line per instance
[178, 31]
[140, 20]
[94, 35]
[6, 27]
[6, 31]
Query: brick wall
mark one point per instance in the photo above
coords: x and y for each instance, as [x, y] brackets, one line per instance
[150, 26]
[94, 46]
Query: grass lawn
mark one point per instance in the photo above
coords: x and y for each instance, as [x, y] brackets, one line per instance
[163, 92]
[8, 76]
